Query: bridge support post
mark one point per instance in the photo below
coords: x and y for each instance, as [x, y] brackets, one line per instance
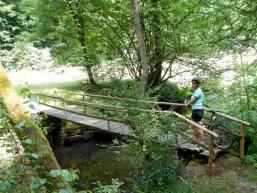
[242, 143]
[211, 155]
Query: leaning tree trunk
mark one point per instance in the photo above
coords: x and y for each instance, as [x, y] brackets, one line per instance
[19, 112]
[142, 47]
[79, 22]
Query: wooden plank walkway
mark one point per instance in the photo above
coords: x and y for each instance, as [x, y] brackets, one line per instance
[96, 123]
[185, 144]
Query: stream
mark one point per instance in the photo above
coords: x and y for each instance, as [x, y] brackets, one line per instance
[94, 160]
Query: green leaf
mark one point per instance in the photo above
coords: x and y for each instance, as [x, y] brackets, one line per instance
[55, 173]
[37, 183]
[42, 181]
[67, 175]
[65, 191]
[2, 186]
[35, 155]
[28, 141]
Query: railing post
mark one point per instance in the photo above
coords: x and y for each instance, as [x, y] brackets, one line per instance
[64, 106]
[55, 102]
[85, 109]
[37, 98]
[242, 143]
[211, 155]
[108, 124]
[108, 121]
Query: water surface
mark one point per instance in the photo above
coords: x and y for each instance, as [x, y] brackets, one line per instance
[95, 162]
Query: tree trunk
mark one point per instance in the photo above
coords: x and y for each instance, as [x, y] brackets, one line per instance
[157, 72]
[19, 112]
[79, 22]
[248, 103]
[142, 47]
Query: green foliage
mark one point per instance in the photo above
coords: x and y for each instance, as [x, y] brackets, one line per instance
[169, 92]
[252, 177]
[117, 88]
[68, 175]
[243, 102]
[214, 92]
[186, 33]
[177, 187]
[25, 92]
[11, 23]
[72, 36]
[24, 55]
[251, 159]
[152, 151]
[112, 188]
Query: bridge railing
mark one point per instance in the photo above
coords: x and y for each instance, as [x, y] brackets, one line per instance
[242, 124]
[66, 102]
[241, 135]
[212, 135]
[84, 95]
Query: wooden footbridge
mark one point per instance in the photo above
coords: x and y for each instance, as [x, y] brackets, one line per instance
[79, 108]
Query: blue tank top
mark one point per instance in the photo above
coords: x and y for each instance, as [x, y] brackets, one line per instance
[198, 104]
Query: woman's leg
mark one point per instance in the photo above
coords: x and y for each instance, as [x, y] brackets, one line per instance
[201, 135]
[198, 133]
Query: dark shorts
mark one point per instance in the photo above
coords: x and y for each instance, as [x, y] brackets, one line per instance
[197, 114]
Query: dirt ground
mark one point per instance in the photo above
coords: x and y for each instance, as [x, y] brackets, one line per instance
[230, 176]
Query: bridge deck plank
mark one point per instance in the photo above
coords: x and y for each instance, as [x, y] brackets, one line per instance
[98, 123]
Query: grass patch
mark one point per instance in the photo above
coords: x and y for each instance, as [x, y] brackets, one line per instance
[118, 88]
[69, 86]
[252, 177]
[177, 187]
[226, 183]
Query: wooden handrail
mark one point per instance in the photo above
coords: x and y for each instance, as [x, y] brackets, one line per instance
[126, 99]
[113, 108]
[229, 117]
[194, 124]
[121, 109]
[157, 103]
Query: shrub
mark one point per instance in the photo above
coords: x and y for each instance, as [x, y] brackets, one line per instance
[169, 92]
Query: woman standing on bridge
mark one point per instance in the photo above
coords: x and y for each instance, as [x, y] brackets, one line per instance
[196, 102]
